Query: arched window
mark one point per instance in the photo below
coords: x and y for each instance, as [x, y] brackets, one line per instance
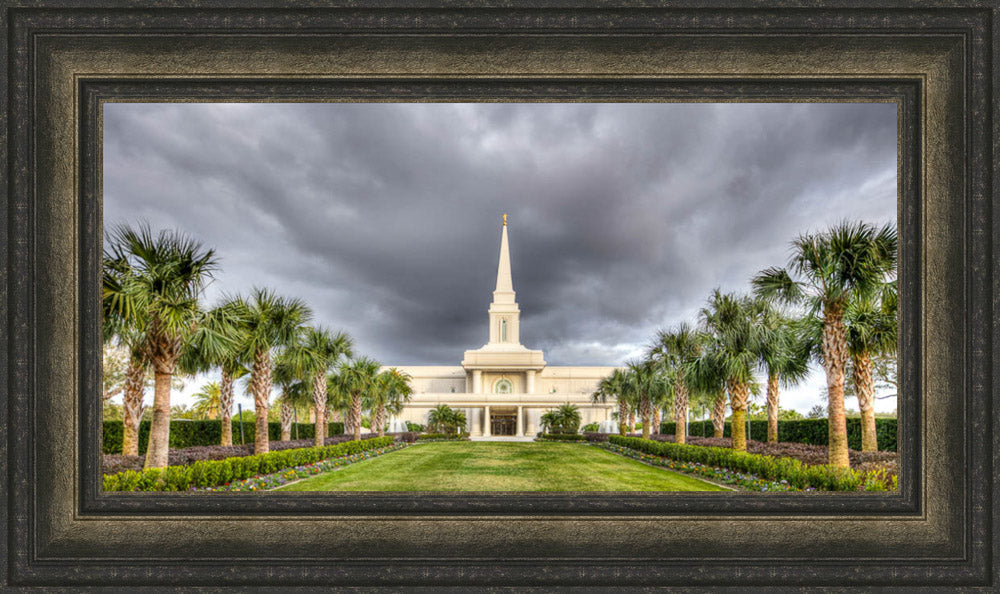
[503, 387]
[503, 330]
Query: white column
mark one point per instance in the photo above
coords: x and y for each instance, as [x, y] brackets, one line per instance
[486, 421]
[530, 377]
[477, 381]
[520, 422]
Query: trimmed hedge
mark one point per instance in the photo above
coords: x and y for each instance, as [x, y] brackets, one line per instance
[210, 473]
[561, 437]
[797, 474]
[810, 431]
[442, 437]
[185, 434]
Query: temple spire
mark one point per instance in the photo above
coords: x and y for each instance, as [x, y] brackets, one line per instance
[505, 285]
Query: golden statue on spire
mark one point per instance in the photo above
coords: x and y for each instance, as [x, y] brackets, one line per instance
[504, 219]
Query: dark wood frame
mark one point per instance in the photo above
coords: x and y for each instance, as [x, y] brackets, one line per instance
[61, 60]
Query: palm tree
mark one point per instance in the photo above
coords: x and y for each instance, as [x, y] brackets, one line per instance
[311, 355]
[207, 401]
[359, 377]
[338, 398]
[444, 419]
[198, 359]
[871, 332]
[674, 350]
[269, 322]
[784, 356]
[392, 389]
[830, 268]
[735, 324]
[645, 381]
[614, 386]
[161, 278]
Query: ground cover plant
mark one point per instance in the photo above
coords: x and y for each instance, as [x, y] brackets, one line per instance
[210, 473]
[114, 463]
[502, 466]
[886, 462]
[795, 473]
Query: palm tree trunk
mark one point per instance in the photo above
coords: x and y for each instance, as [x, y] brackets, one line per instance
[286, 421]
[646, 412]
[680, 412]
[719, 415]
[380, 419]
[656, 420]
[622, 416]
[319, 406]
[864, 386]
[158, 451]
[772, 409]
[834, 360]
[261, 383]
[135, 376]
[631, 420]
[739, 394]
[226, 408]
[356, 415]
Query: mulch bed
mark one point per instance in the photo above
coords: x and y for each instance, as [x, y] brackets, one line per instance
[115, 463]
[806, 453]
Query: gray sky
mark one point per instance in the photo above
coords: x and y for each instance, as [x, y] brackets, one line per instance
[385, 218]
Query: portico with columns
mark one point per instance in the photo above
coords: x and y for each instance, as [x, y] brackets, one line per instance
[504, 387]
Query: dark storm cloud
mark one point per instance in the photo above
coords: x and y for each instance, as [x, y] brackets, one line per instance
[385, 218]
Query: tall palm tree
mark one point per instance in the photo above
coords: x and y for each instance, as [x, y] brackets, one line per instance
[784, 357]
[613, 386]
[338, 397]
[872, 327]
[207, 401]
[269, 322]
[199, 359]
[359, 379]
[829, 268]
[161, 279]
[314, 354]
[645, 381]
[735, 324]
[392, 389]
[674, 350]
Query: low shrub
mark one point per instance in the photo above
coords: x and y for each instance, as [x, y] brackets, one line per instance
[443, 437]
[186, 434]
[414, 427]
[590, 427]
[561, 437]
[594, 436]
[797, 474]
[209, 473]
[810, 431]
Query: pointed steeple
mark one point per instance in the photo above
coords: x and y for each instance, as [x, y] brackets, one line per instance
[504, 293]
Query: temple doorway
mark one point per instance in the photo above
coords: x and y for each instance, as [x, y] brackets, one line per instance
[503, 423]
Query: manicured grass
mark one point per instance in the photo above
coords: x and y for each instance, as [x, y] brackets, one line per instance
[500, 466]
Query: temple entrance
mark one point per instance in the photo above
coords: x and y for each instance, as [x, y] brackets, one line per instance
[503, 423]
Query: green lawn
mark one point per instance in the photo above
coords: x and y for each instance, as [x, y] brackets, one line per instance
[501, 466]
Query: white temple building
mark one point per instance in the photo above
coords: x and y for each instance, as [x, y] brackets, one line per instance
[504, 387]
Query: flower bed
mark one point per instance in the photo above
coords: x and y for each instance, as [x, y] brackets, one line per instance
[291, 475]
[210, 473]
[775, 470]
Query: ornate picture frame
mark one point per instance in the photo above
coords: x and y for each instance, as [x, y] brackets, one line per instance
[62, 62]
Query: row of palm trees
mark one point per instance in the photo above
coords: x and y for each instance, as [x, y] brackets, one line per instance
[835, 302]
[152, 290]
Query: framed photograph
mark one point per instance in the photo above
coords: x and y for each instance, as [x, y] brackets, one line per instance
[80, 78]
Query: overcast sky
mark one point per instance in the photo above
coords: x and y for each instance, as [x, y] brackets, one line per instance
[385, 218]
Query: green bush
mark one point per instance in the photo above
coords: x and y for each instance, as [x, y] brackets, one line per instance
[443, 437]
[797, 474]
[414, 427]
[811, 431]
[590, 427]
[211, 473]
[562, 437]
[185, 434]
